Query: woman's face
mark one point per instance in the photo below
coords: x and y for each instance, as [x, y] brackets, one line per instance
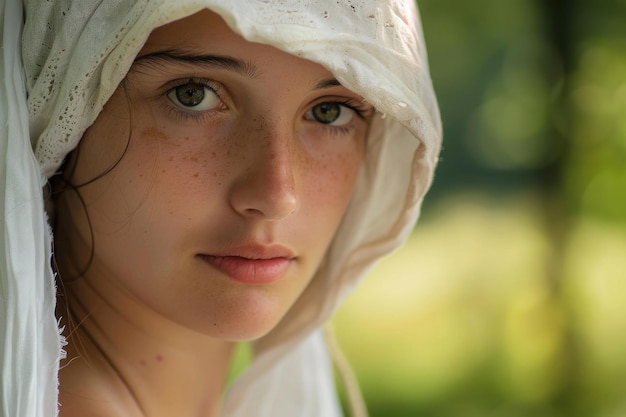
[238, 163]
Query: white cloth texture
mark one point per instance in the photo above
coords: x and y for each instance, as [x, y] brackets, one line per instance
[63, 59]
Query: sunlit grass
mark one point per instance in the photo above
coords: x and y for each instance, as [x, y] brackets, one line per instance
[463, 319]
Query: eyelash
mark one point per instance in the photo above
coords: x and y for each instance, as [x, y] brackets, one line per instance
[359, 108]
[355, 106]
[190, 115]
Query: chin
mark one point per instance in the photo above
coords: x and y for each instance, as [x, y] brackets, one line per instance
[244, 320]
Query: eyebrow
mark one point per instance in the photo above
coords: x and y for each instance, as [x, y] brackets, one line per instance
[239, 66]
[331, 82]
[229, 63]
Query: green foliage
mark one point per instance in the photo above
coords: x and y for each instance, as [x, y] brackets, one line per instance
[596, 170]
[465, 319]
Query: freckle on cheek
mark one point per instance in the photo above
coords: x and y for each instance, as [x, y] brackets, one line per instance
[153, 133]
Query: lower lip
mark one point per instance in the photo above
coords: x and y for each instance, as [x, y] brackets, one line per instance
[249, 271]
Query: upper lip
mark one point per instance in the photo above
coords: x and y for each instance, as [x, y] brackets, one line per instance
[256, 251]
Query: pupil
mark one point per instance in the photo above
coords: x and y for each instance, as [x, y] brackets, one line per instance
[190, 95]
[326, 112]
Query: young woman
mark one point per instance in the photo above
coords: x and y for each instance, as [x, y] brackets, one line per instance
[215, 172]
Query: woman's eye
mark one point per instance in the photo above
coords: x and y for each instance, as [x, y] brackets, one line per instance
[195, 97]
[333, 114]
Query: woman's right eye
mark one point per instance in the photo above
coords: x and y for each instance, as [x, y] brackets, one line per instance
[194, 96]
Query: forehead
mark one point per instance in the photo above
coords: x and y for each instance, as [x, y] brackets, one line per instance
[194, 31]
[207, 33]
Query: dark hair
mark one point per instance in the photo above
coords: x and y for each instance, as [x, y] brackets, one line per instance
[57, 186]
[61, 182]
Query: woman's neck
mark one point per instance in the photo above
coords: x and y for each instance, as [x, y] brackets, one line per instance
[134, 362]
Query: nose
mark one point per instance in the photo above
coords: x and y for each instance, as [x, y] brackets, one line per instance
[266, 187]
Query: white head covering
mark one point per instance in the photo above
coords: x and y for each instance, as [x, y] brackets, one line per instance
[73, 55]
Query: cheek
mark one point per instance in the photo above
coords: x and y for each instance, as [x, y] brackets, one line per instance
[332, 164]
[189, 172]
[154, 170]
[326, 192]
[330, 179]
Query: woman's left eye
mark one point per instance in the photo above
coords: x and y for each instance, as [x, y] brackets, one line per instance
[329, 113]
[194, 97]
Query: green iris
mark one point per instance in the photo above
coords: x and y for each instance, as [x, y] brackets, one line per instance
[190, 95]
[326, 113]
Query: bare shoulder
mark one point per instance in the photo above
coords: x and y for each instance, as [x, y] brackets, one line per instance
[84, 392]
[76, 405]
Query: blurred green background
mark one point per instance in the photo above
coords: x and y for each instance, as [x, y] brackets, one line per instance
[510, 297]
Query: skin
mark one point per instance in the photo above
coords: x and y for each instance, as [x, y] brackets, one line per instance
[257, 168]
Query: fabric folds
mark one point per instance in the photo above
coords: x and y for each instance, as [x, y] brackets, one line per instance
[30, 346]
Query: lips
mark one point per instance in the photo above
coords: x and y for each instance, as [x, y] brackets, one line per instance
[252, 265]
